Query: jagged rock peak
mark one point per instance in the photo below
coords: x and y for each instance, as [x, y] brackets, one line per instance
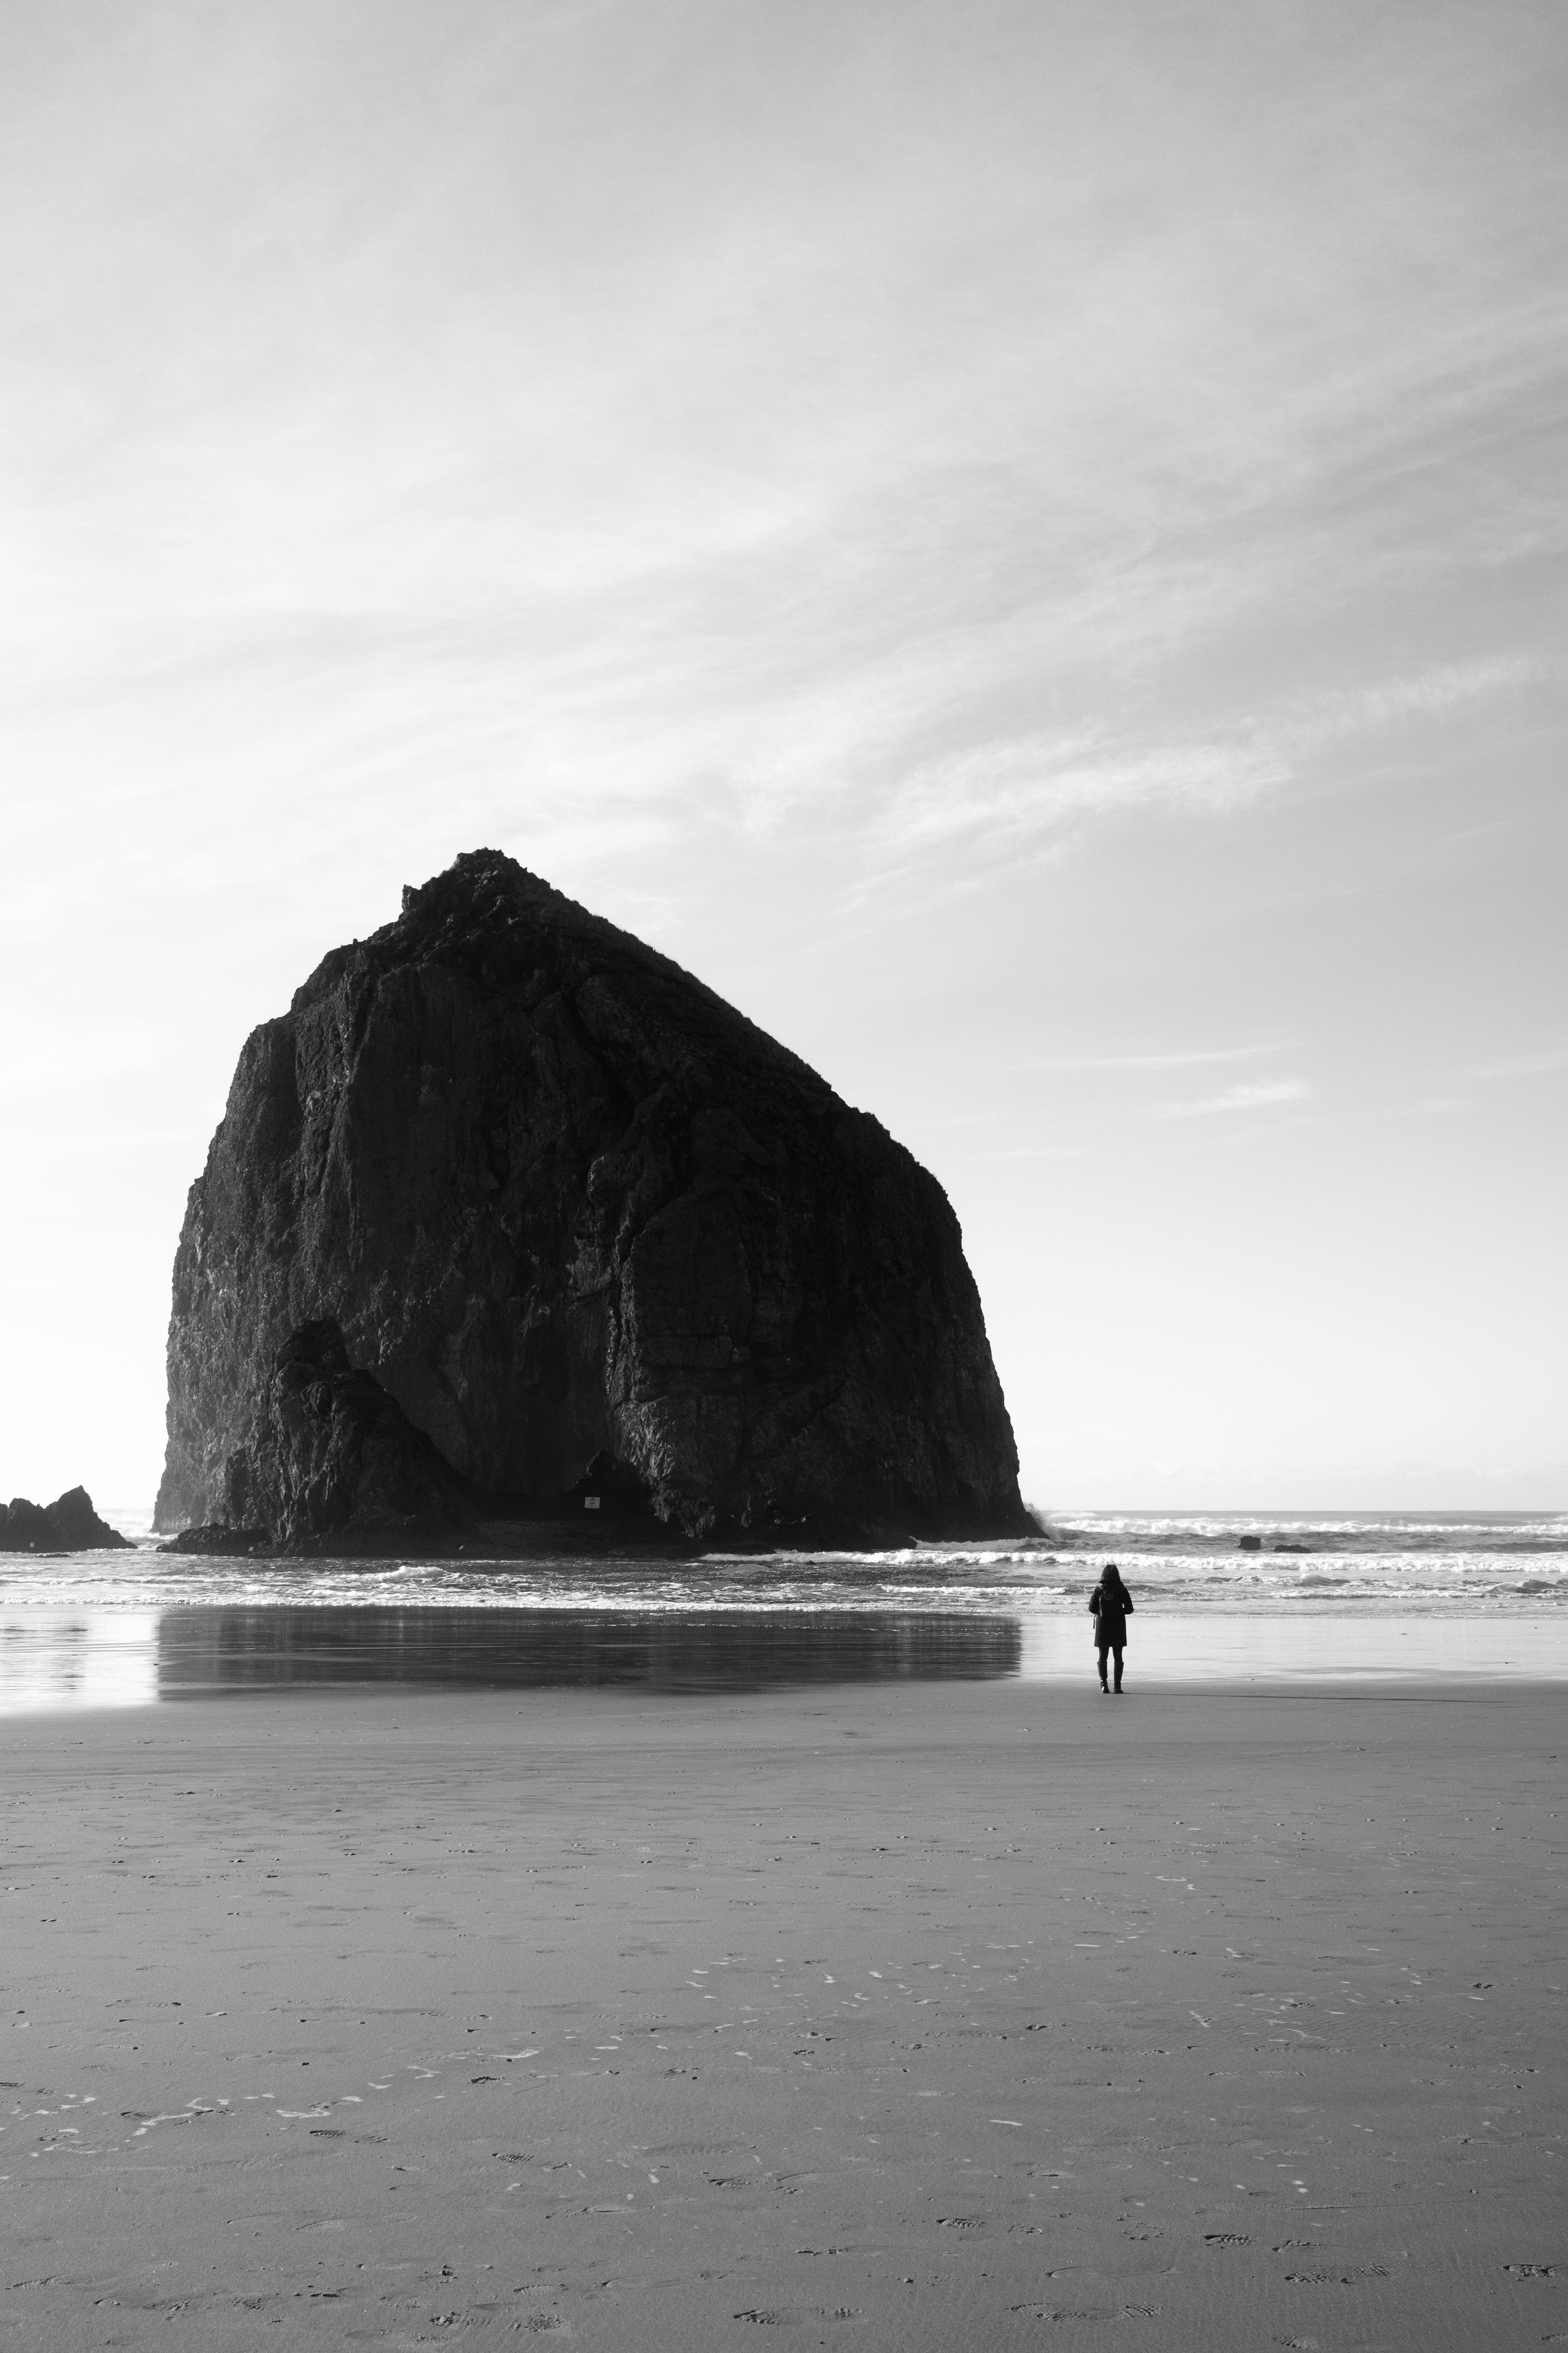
[475, 880]
[562, 1205]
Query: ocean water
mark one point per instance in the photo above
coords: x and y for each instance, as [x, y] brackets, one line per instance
[1435, 1564]
[1325, 1596]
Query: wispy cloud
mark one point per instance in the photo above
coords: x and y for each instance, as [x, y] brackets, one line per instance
[1434, 692]
[1542, 1064]
[1263, 1096]
[1194, 1059]
[960, 818]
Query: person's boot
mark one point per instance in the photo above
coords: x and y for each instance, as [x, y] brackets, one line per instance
[1119, 1687]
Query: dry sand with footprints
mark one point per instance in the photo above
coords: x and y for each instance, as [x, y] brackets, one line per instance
[913, 2017]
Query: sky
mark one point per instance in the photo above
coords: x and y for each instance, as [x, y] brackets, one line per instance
[1024, 543]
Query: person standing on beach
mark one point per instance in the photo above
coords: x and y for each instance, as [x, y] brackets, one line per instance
[1111, 1605]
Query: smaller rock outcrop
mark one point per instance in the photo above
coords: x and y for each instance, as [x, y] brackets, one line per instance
[68, 1525]
[26, 1527]
[335, 1459]
[73, 1515]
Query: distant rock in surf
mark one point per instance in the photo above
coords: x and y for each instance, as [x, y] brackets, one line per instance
[68, 1525]
[506, 1194]
[1250, 1543]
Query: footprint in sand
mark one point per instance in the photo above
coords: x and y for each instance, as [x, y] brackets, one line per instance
[796, 2316]
[1352, 2276]
[1056, 2312]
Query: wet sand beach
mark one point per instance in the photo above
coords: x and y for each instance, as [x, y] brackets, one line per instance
[905, 2016]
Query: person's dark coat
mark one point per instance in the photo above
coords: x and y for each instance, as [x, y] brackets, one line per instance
[1111, 1605]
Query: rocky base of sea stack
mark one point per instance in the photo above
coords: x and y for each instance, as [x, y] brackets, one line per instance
[217, 1539]
[338, 1469]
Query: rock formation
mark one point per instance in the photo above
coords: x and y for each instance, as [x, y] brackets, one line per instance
[506, 1195]
[68, 1525]
[332, 1451]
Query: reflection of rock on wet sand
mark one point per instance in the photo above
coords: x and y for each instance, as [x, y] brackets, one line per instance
[716, 1649]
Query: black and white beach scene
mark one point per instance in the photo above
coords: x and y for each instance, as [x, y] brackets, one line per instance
[784, 1450]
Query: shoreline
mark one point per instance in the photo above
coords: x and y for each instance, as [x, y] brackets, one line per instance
[895, 2016]
[75, 1658]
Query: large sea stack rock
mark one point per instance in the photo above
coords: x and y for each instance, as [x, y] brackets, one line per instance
[506, 1195]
